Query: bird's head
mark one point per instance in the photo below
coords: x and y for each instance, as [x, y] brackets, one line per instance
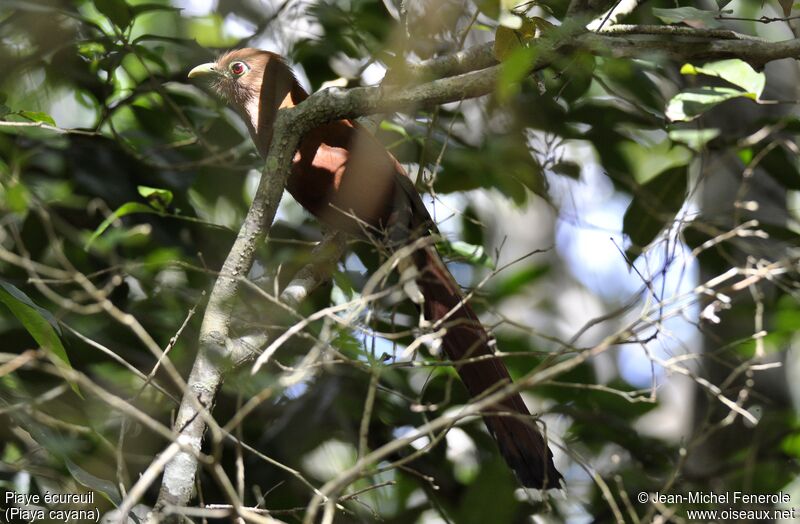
[237, 75]
[256, 84]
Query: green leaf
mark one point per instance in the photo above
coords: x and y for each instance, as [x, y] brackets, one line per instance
[690, 104]
[782, 166]
[152, 55]
[209, 31]
[508, 40]
[566, 168]
[37, 116]
[25, 299]
[735, 71]
[388, 125]
[791, 445]
[745, 155]
[694, 138]
[4, 109]
[490, 8]
[469, 253]
[86, 479]
[505, 42]
[139, 9]
[470, 168]
[514, 283]
[17, 197]
[128, 208]
[514, 69]
[654, 205]
[118, 11]
[686, 15]
[159, 199]
[38, 325]
[646, 160]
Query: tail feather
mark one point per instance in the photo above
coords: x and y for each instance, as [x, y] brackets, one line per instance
[520, 442]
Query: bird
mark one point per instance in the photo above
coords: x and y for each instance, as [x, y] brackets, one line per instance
[344, 176]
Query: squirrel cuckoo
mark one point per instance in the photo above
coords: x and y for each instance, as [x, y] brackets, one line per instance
[345, 177]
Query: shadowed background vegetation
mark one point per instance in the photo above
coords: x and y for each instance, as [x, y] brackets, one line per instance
[599, 188]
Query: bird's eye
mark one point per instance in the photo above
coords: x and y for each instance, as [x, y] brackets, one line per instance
[238, 68]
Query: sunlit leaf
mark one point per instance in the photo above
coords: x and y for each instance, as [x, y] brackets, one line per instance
[745, 155]
[735, 71]
[791, 445]
[646, 160]
[388, 125]
[16, 198]
[690, 104]
[469, 253]
[694, 138]
[37, 116]
[209, 31]
[159, 199]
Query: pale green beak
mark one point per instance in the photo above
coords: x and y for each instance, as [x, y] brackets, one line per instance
[203, 70]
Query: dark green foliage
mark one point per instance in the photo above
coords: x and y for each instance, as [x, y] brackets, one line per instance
[119, 169]
[654, 206]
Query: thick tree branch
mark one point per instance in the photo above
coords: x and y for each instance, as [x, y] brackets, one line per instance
[701, 47]
[631, 41]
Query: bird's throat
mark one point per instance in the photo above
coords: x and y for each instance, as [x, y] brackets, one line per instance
[278, 89]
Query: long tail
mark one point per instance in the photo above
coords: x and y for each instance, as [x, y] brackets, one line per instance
[517, 436]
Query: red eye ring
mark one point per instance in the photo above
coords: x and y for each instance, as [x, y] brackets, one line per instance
[237, 68]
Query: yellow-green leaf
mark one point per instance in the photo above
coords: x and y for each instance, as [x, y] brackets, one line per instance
[735, 71]
[692, 103]
[128, 208]
[469, 253]
[38, 116]
[159, 199]
[507, 40]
